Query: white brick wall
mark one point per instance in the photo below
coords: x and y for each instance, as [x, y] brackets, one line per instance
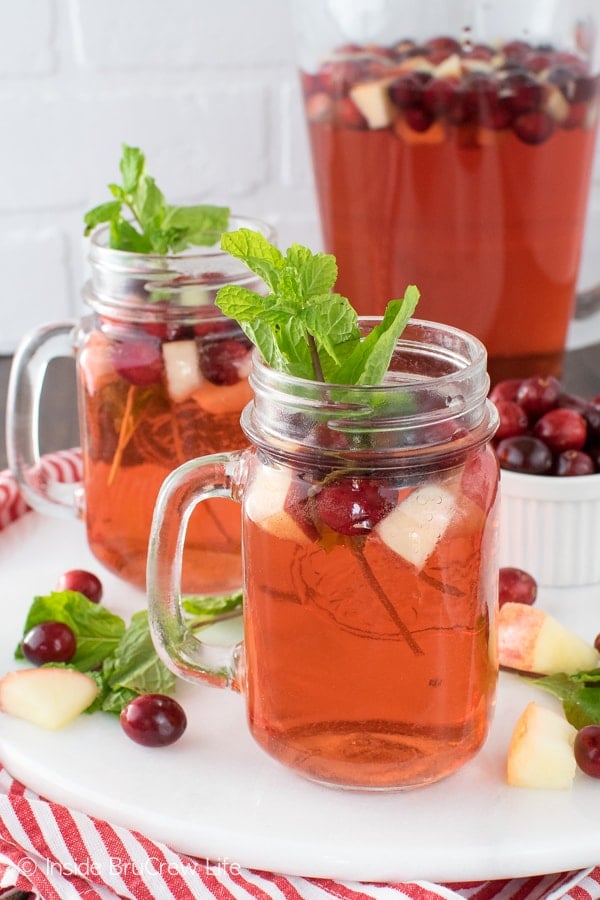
[207, 89]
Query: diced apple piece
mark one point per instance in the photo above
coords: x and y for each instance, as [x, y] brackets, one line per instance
[450, 67]
[477, 65]
[540, 753]
[413, 528]
[556, 104]
[48, 697]
[531, 640]
[270, 503]
[182, 368]
[373, 100]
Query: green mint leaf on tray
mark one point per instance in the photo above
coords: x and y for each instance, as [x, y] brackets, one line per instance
[97, 630]
[141, 221]
[302, 327]
[579, 694]
[134, 664]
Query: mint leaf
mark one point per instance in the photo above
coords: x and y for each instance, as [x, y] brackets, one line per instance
[302, 327]
[134, 664]
[579, 693]
[141, 221]
[371, 357]
[205, 608]
[97, 630]
[257, 252]
[131, 165]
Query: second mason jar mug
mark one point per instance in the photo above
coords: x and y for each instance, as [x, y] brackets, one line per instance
[162, 377]
[369, 531]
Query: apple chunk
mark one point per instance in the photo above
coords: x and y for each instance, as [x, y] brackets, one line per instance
[48, 697]
[373, 100]
[540, 753]
[413, 528]
[182, 369]
[274, 503]
[531, 640]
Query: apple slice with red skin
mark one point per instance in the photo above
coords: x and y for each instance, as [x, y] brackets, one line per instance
[531, 640]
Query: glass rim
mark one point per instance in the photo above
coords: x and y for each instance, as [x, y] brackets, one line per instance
[477, 359]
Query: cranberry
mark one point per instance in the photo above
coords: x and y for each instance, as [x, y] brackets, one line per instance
[49, 642]
[139, 361]
[523, 93]
[524, 453]
[153, 720]
[480, 52]
[533, 127]
[407, 90]
[516, 586]
[574, 462]
[538, 394]
[83, 582]
[439, 48]
[506, 389]
[353, 506]
[418, 118]
[225, 361]
[561, 429]
[513, 419]
[587, 750]
[439, 95]
[516, 51]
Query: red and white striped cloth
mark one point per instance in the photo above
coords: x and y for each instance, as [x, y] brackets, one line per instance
[57, 853]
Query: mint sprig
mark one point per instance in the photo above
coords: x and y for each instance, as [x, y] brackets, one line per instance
[302, 327]
[120, 657]
[141, 221]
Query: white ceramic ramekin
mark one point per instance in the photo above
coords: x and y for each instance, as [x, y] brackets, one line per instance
[550, 527]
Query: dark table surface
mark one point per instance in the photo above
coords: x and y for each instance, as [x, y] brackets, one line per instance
[58, 428]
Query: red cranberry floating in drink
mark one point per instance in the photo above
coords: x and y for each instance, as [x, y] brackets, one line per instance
[225, 361]
[353, 506]
[138, 361]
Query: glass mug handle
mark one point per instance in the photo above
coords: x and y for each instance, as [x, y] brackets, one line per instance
[27, 375]
[217, 475]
